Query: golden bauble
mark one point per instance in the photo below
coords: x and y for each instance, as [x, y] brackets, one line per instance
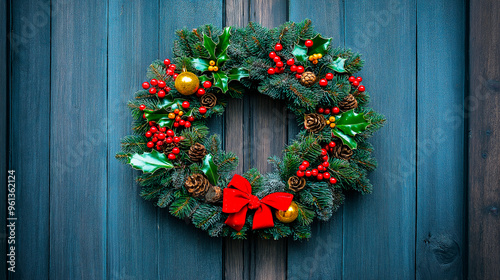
[289, 215]
[187, 83]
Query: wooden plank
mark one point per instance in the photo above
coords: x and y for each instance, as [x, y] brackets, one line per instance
[4, 130]
[321, 256]
[78, 145]
[180, 244]
[133, 44]
[30, 111]
[237, 252]
[440, 243]
[267, 137]
[484, 151]
[379, 229]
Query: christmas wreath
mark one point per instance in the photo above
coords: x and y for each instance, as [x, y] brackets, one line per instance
[184, 168]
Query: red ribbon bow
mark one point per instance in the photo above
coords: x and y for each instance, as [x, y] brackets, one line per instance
[238, 198]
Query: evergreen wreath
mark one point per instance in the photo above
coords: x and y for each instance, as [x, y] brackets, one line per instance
[185, 169]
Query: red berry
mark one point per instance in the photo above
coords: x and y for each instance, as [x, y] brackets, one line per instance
[170, 72]
[170, 132]
[154, 82]
[321, 168]
[177, 139]
[161, 136]
[171, 156]
[159, 143]
[154, 139]
[185, 104]
[152, 90]
[326, 175]
[323, 82]
[300, 69]
[207, 84]
[309, 43]
[152, 123]
[326, 164]
[321, 110]
[178, 118]
[308, 173]
[182, 122]
[355, 83]
[361, 88]
[161, 84]
[176, 151]
[200, 92]
[163, 129]
[153, 129]
[187, 124]
[324, 158]
[314, 172]
[150, 144]
[191, 118]
[293, 68]
[202, 110]
[300, 173]
[166, 62]
[271, 71]
[279, 64]
[324, 152]
[272, 55]
[280, 70]
[167, 89]
[144, 115]
[290, 62]
[320, 177]
[169, 140]
[331, 144]
[176, 124]
[305, 163]
[148, 134]
[161, 94]
[297, 76]
[175, 76]
[359, 79]
[142, 107]
[352, 79]
[333, 180]
[145, 85]
[329, 76]
[278, 47]
[335, 110]
[276, 59]
[172, 66]
[302, 167]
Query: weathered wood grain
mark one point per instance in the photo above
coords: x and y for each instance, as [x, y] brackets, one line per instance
[30, 134]
[4, 130]
[321, 256]
[484, 151]
[133, 44]
[440, 240]
[182, 244]
[78, 143]
[379, 229]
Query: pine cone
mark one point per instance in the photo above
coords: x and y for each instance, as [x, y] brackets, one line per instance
[197, 185]
[314, 122]
[342, 151]
[308, 79]
[296, 184]
[214, 195]
[197, 152]
[208, 100]
[348, 103]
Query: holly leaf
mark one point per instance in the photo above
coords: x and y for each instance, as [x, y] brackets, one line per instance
[351, 123]
[223, 43]
[210, 169]
[149, 162]
[218, 52]
[220, 80]
[169, 102]
[237, 74]
[200, 64]
[320, 45]
[210, 46]
[160, 117]
[300, 53]
[338, 65]
[346, 139]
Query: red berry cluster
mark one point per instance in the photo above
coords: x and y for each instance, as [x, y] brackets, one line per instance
[280, 66]
[156, 87]
[355, 82]
[327, 111]
[321, 172]
[201, 90]
[170, 69]
[161, 136]
[324, 82]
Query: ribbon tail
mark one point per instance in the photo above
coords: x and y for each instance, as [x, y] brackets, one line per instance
[263, 218]
[237, 220]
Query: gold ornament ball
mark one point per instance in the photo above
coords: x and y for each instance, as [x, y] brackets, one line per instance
[187, 83]
[289, 215]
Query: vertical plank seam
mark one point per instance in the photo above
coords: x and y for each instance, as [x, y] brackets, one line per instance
[466, 95]
[8, 93]
[50, 136]
[106, 209]
[416, 143]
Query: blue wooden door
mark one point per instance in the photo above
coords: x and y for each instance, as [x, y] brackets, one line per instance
[74, 64]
